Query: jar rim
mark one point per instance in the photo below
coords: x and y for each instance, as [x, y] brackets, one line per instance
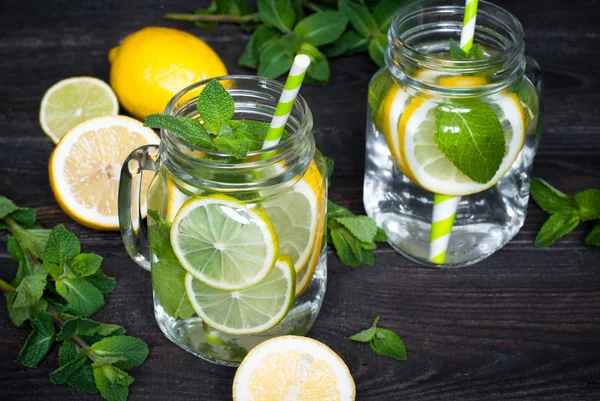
[486, 9]
[304, 128]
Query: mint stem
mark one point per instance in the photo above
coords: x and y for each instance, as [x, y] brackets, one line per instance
[211, 18]
[11, 224]
[59, 323]
[6, 287]
[313, 7]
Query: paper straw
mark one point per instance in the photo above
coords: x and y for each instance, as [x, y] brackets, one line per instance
[286, 102]
[445, 206]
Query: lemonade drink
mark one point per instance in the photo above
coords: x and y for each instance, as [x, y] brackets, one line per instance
[237, 246]
[440, 125]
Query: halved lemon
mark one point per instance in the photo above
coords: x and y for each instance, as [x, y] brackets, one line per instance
[249, 311]
[293, 368]
[85, 168]
[297, 216]
[223, 242]
[73, 101]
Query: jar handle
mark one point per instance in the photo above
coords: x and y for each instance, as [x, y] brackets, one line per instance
[133, 230]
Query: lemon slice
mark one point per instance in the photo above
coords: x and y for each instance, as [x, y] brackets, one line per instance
[425, 163]
[85, 168]
[176, 199]
[297, 216]
[252, 310]
[73, 101]
[223, 242]
[293, 368]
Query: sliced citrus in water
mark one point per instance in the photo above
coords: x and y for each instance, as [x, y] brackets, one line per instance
[176, 199]
[293, 368]
[223, 242]
[410, 127]
[72, 101]
[248, 311]
[85, 168]
[297, 216]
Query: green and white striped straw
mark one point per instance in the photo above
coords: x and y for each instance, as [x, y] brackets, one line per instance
[286, 102]
[445, 206]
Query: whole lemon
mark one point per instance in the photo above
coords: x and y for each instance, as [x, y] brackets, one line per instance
[154, 63]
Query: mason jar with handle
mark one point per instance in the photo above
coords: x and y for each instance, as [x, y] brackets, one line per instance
[236, 248]
[464, 129]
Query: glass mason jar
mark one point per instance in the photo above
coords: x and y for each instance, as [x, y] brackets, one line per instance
[420, 101]
[217, 225]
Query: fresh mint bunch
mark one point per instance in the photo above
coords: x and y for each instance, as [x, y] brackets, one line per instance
[383, 341]
[56, 289]
[566, 212]
[215, 129]
[354, 237]
[321, 29]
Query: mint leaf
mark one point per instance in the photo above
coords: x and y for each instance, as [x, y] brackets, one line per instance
[366, 335]
[387, 343]
[362, 227]
[558, 225]
[215, 106]
[348, 248]
[62, 246]
[112, 383]
[359, 16]
[85, 264]
[169, 288]
[6, 207]
[593, 238]
[350, 42]
[189, 129]
[124, 352]
[343, 249]
[335, 210]
[232, 141]
[377, 48]
[459, 54]
[322, 27]
[588, 204]
[275, 60]
[79, 326]
[330, 165]
[101, 282]
[259, 40]
[83, 379]
[470, 135]
[39, 341]
[381, 235]
[69, 368]
[33, 241]
[24, 303]
[167, 275]
[83, 298]
[319, 66]
[548, 198]
[291, 42]
[277, 14]
[385, 11]
[255, 131]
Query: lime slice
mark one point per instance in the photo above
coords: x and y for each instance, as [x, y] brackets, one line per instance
[252, 310]
[295, 216]
[223, 242]
[73, 101]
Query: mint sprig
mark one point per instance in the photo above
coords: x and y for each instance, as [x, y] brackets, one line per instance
[566, 212]
[215, 129]
[383, 341]
[93, 355]
[353, 237]
[459, 54]
[319, 29]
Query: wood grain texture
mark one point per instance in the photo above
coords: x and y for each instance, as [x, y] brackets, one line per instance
[521, 325]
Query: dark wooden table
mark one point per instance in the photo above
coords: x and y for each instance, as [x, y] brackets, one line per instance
[524, 324]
